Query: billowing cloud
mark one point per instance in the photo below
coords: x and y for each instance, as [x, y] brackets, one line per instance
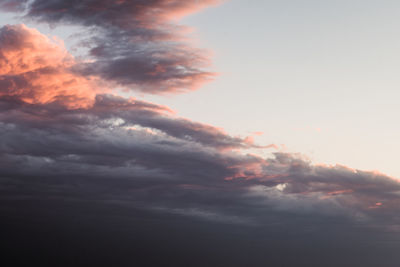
[38, 70]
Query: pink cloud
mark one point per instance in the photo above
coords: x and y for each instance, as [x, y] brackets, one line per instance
[38, 70]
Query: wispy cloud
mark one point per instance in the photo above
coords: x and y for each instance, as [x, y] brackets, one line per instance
[136, 44]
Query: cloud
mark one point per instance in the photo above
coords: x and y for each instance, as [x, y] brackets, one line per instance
[134, 44]
[176, 165]
[38, 70]
[10, 5]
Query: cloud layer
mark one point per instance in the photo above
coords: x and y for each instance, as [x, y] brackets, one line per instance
[54, 124]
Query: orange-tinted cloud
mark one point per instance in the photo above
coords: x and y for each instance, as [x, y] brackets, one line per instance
[37, 70]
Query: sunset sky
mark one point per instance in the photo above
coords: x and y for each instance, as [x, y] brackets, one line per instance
[200, 133]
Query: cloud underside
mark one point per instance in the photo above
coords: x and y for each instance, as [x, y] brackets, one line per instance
[67, 137]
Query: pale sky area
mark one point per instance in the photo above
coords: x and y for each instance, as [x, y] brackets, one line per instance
[320, 77]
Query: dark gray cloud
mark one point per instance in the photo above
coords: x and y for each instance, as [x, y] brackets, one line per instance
[113, 185]
[182, 167]
[11, 5]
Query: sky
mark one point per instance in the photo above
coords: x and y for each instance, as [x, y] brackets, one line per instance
[317, 76]
[199, 133]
